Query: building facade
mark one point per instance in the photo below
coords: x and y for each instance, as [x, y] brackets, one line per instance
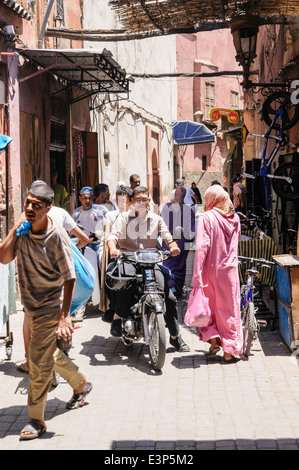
[276, 68]
[209, 54]
[135, 134]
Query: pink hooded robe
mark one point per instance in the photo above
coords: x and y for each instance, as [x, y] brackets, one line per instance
[216, 270]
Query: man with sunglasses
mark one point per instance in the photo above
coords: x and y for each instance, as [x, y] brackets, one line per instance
[139, 228]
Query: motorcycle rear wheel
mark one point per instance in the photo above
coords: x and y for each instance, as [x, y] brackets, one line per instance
[157, 342]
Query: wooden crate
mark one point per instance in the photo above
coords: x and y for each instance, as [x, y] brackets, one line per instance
[287, 282]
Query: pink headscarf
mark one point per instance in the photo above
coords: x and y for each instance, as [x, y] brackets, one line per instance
[217, 198]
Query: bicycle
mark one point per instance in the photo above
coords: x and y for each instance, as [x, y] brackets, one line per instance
[251, 222]
[250, 325]
[285, 179]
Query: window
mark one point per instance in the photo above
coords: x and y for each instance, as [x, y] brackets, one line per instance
[60, 10]
[234, 100]
[209, 98]
[204, 163]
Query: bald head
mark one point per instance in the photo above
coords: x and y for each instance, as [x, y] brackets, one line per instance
[179, 194]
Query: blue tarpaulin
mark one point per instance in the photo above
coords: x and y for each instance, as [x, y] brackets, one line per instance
[4, 141]
[190, 132]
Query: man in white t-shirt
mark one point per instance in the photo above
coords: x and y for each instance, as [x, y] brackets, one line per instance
[91, 217]
[62, 218]
[190, 196]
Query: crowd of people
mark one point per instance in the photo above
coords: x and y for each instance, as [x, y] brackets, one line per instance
[104, 224]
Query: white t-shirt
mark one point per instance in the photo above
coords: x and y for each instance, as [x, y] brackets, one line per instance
[62, 218]
[188, 199]
[91, 219]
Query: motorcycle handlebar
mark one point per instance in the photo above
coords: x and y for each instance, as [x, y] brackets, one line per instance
[165, 254]
[92, 235]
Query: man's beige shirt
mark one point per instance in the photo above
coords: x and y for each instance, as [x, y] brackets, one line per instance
[132, 232]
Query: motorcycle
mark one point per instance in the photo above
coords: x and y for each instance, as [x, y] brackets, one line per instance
[146, 316]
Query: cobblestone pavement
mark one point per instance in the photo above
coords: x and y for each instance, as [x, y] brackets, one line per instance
[195, 403]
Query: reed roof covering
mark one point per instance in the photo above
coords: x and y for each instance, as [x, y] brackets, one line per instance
[174, 16]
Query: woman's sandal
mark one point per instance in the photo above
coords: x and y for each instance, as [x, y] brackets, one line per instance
[32, 431]
[232, 360]
[213, 351]
[78, 399]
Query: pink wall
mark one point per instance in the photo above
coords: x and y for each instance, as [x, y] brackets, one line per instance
[205, 52]
[72, 19]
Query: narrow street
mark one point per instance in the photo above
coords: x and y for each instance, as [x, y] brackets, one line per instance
[194, 404]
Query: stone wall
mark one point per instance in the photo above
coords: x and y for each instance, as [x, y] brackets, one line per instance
[203, 179]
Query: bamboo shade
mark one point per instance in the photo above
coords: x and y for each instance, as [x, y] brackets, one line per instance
[166, 16]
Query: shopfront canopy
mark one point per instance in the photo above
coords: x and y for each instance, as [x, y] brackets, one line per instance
[190, 132]
[94, 72]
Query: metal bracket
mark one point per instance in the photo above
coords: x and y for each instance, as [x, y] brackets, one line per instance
[265, 88]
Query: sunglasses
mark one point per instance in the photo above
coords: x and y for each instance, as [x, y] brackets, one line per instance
[139, 199]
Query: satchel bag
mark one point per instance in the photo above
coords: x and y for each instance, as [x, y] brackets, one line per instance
[198, 311]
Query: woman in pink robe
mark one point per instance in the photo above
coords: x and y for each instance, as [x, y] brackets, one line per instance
[216, 270]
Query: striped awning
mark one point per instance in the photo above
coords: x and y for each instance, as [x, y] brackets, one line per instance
[17, 8]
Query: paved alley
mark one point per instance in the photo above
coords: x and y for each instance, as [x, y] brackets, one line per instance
[194, 404]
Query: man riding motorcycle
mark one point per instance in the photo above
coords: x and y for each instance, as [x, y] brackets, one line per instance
[136, 229]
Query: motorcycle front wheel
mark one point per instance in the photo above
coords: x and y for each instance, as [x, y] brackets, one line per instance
[157, 341]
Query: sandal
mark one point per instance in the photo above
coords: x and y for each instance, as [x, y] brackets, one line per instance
[233, 360]
[32, 431]
[213, 351]
[20, 368]
[78, 399]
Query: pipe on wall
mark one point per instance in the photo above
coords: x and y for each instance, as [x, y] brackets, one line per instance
[44, 24]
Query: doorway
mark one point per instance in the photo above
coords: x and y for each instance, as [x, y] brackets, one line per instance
[156, 178]
[58, 150]
[153, 164]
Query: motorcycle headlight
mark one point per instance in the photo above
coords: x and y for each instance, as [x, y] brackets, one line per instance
[149, 257]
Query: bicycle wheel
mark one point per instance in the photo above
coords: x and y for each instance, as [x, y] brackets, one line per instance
[250, 328]
[282, 188]
[290, 111]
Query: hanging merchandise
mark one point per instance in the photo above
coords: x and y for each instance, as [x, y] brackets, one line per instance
[80, 148]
